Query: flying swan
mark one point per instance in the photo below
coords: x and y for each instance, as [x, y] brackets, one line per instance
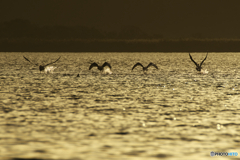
[145, 69]
[199, 67]
[105, 68]
[46, 68]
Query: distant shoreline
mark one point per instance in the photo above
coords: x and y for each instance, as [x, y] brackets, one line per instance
[116, 45]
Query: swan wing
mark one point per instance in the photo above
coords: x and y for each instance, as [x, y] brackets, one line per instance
[137, 64]
[29, 61]
[193, 60]
[93, 65]
[152, 64]
[53, 62]
[106, 64]
[204, 60]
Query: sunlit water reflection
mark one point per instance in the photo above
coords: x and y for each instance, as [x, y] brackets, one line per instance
[168, 113]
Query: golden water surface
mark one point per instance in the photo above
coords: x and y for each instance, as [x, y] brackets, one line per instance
[169, 113]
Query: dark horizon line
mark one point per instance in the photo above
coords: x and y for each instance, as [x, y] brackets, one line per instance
[35, 45]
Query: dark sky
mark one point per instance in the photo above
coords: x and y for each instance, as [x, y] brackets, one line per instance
[171, 18]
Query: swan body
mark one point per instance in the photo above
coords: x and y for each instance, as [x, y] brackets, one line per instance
[204, 71]
[49, 69]
[107, 71]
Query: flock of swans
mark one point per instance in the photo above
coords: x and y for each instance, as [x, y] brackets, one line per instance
[106, 67]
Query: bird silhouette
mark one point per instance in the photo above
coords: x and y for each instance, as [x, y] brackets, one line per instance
[198, 67]
[41, 67]
[145, 68]
[101, 68]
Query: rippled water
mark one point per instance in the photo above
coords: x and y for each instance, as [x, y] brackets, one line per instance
[170, 113]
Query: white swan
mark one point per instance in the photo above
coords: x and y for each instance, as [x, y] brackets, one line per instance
[41, 67]
[107, 71]
[204, 71]
[105, 68]
[49, 69]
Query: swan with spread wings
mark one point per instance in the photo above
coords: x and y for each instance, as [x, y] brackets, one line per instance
[105, 68]
[199, 66]
[145, 69]
[44, 67]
